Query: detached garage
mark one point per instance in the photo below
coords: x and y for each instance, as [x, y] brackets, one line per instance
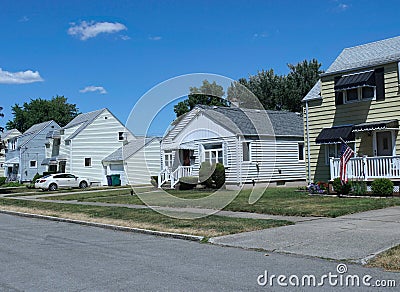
[135, 162]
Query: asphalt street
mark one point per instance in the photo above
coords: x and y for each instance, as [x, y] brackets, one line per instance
[41, 255]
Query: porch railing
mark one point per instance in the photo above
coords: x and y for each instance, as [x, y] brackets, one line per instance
[365, 168]
[173, 176]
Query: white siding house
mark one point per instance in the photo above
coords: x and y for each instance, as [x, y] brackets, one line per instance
[26, 152]
[85, 142]
[5, 138]
[255, 146]
[136, 161]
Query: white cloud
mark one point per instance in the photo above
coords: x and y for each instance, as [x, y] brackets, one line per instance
[155, 38]
[260, 35]
[125, 37]
[92, 88]
[86, 30]
[343, 6]
[24, 19]
[21, 77]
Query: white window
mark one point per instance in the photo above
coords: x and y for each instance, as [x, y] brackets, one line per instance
[67, 142]
[88, 162]
[246, 151]
[333, 150]
[121, 136]
[168, 159]
[32, 164]
[213, 153]
[300, 151]
[358, 94]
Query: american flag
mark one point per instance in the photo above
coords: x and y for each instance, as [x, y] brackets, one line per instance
[345, 154]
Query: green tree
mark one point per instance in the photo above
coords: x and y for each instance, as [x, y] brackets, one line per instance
[299, 82]
[277, 91]
[239, 95]
[207, 94]
[41, 110]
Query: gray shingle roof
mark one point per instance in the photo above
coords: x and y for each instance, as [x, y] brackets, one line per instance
[314, 93]
[251, 122]
[33, 131]
[130, 149]
[8, 133]
[367, 55]
[83, 120]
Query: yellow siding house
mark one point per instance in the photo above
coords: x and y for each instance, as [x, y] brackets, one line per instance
[358, 100]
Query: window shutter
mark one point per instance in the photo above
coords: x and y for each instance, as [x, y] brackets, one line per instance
[338, 94]
[380, 83]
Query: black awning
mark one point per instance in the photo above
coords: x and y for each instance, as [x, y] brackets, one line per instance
[380, 125]
[356, 80]
[333, 135]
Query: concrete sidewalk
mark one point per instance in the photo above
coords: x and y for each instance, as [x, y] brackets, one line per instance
[354, 237]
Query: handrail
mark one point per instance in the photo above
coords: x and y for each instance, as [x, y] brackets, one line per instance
[174, 176]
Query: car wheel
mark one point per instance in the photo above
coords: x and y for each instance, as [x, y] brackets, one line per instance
[83, 185]
[52, 187]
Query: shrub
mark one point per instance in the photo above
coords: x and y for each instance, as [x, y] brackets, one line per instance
[2, 180]
[37, 176]
[218, 175]
[205, 173]
[359, 188]
[188, 182]
[341, 189]
[154, 180]
[382, 186]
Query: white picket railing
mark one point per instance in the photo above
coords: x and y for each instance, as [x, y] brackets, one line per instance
[163, 176]
[368, 167]
[174, 176]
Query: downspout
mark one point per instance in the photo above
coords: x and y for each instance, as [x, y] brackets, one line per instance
[308, 145]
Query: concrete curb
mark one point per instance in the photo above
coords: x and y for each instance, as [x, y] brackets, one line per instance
[107, 226]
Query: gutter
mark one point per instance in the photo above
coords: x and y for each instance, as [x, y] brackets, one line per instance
[308, 145]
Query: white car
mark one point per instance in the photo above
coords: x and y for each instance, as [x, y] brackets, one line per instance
[55, 181]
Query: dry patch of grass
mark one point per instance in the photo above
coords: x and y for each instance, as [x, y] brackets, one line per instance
[389, 260]
[138, 218]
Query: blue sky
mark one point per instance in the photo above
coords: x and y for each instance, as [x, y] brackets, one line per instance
[110, 53]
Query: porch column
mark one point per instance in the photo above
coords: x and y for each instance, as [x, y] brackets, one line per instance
[332, 168]
[365, 167]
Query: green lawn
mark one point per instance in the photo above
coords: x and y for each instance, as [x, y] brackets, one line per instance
[275, 201]
[144, 218]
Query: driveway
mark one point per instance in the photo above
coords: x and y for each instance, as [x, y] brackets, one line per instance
[351, 237]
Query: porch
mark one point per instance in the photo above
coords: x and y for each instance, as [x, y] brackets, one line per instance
[368, 168]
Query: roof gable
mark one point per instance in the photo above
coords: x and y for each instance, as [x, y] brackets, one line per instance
[33, 131]
[247, 122]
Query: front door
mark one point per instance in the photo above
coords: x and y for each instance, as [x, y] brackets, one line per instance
[384, 144]
[186, 157]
